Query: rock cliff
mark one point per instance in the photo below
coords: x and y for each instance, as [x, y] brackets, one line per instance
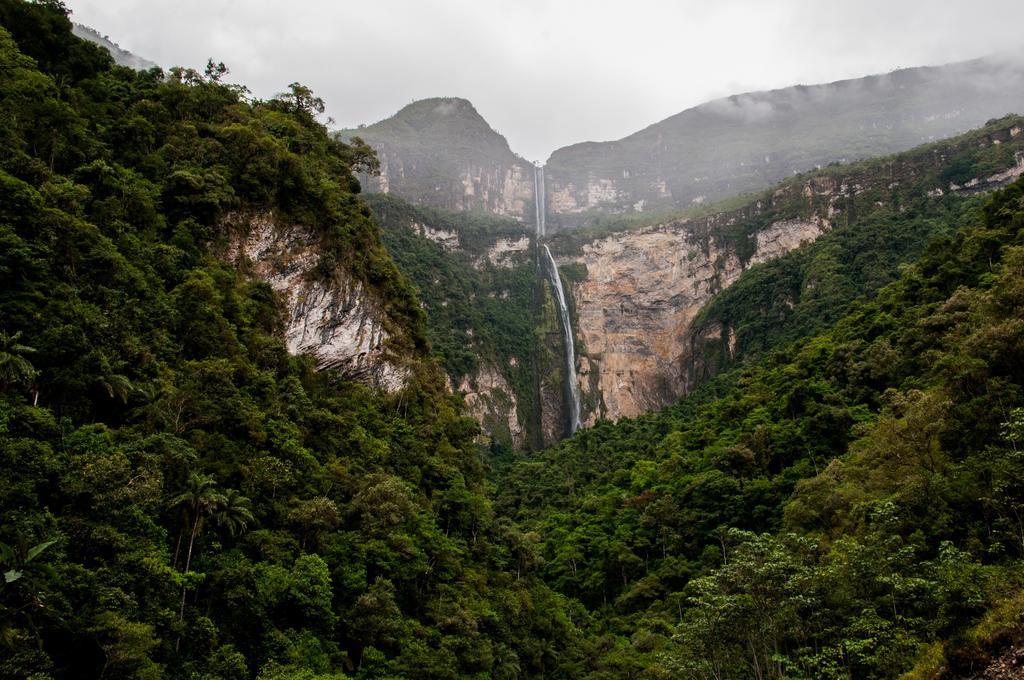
[339, 321]
[642, 289]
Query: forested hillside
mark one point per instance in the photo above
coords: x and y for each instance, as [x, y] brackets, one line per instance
[830, 511]
[477, 277]
[180, 497]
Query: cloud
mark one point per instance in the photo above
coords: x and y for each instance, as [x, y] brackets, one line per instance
[546, 74]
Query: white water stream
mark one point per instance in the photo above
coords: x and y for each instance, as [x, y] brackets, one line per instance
[570, 348]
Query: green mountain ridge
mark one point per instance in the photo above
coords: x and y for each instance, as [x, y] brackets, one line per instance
[809, 514]
[181, 497]
[441, 153]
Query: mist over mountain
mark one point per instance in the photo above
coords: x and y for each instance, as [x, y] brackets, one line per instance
[748, 141]
[121, 56]
[441, 153]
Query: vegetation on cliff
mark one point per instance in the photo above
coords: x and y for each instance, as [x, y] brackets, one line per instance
[830, 511]
[180, 497]
[480, 302]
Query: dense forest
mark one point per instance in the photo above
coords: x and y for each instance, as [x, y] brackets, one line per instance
[831, 510]
[180, 497]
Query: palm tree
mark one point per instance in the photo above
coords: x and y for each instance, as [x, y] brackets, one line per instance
[15, 369]
[199, 500]
[235, 513]
[116, 385]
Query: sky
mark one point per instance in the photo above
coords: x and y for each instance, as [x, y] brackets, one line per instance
[550, 73]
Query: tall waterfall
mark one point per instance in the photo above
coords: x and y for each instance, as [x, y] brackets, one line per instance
[570, 348]
[539, 198]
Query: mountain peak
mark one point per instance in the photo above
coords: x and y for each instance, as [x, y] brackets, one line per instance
[443, 120]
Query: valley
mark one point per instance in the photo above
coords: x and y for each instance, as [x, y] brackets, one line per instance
[739, 395]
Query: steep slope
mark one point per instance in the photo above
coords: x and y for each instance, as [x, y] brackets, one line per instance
[201, 477]
[749, 141]
[637, 293]
[476, 276]
[845, 507]
[441, 153]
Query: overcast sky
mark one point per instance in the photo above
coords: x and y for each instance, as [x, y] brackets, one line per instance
[547, 73]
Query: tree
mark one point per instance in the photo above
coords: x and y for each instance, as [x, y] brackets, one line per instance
[15, 369]
[234, 513]
[199, 500]
[301, 99]
[215, 71]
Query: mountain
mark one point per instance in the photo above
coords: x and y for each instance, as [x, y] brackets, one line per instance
[657, 309]
[749, 141]
[255, 424]
[121, 56]
[442, 153]
[643, 334]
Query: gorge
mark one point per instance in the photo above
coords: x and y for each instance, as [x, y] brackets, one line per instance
[648, 305]
[266, 414]
[570, 380]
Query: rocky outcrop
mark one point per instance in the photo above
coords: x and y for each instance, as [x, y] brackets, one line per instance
[642, 291]
[338, 321]
[492, 402]
[506, 252]
[977, 185]
[446, 238]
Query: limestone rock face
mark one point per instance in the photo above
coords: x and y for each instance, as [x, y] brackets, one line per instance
[492, 402]
[340, 322]
[641, 293]
[506, 252]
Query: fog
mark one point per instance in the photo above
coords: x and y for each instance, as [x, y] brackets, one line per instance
[547, 74]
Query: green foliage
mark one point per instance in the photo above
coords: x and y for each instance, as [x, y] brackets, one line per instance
[182, 497]
[828, 511]
[479, 312]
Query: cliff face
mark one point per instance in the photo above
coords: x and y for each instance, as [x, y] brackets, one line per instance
[641, 292]
[492, 402]
[338, 321]
[643, 289]
[476, 281]
[441, 153]
[747, 142]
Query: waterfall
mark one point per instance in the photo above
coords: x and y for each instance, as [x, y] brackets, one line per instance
[540, 208]
[570, 347]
